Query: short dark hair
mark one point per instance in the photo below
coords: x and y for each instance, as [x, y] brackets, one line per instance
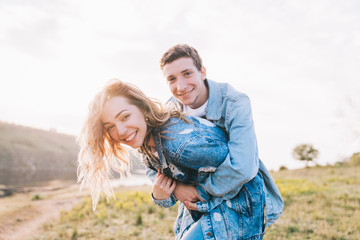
[179, 51]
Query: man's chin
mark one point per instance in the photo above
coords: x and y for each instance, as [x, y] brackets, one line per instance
[185, 101]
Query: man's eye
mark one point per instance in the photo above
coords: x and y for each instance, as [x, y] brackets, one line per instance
[187, 73]
[171, 79]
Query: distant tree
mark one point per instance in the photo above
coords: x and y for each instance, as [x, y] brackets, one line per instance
[355, 159]
[305, 152]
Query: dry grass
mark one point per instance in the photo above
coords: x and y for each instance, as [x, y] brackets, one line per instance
[131, 216]
[320, 203]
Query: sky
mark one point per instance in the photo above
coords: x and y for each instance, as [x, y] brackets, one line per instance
[298, 61]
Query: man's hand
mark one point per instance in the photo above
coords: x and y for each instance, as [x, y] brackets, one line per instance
[191, 205]
[186, 193]
[163, 186]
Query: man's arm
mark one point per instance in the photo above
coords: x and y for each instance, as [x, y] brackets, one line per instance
[240, 166]
[242, 162]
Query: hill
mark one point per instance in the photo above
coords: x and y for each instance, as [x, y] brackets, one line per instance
[24, 148]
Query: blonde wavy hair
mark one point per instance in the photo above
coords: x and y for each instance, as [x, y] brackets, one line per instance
[99, 154]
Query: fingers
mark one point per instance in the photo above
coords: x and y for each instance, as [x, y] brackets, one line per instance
[158, 174]
[202, 200]
[191, 205]
[173, 186]
[163, 186]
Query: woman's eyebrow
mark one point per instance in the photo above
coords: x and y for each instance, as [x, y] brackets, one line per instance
[116, 115]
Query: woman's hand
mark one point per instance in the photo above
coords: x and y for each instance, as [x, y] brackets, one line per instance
[163, 186]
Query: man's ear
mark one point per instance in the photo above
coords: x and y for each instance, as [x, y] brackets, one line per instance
[203, 73]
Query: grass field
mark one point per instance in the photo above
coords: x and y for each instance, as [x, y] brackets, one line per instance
[320, 203]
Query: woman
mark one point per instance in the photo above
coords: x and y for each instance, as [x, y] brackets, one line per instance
[182, 148]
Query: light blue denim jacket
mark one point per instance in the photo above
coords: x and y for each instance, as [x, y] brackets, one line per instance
[231, 110]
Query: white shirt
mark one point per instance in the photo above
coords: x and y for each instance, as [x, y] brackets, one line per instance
[197, 112]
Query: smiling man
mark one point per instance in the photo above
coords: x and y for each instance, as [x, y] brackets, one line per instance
[229, 109]
[186, 82]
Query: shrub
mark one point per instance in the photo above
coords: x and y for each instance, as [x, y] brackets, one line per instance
[283, 168]
[36, 197]
[355, 159]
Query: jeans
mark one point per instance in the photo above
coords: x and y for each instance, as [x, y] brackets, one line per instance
[194, 233]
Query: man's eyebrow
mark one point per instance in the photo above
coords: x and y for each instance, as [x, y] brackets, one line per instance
[185, 70]
[116, 116]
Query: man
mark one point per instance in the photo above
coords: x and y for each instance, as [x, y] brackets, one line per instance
[229, 109]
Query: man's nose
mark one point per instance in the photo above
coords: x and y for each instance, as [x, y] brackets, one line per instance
[181, 85]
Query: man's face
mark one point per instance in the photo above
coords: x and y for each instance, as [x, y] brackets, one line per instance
[186, 83]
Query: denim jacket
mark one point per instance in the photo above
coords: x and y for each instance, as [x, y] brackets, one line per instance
[231, 110]
[188, 152]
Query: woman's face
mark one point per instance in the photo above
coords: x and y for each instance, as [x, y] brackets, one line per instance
[124, 122]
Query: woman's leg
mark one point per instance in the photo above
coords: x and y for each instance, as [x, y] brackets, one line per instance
[194, 233]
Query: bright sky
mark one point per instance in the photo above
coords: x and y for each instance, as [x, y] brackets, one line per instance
[299, 62]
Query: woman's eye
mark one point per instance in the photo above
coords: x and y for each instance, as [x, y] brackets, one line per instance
[126, 117]
[109, 128]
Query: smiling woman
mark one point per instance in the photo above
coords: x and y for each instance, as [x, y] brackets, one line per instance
[120, 114]
[183, 149]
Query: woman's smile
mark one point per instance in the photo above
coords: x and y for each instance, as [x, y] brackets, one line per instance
[124, 122]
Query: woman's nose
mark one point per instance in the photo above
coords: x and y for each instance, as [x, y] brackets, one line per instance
[121, 129]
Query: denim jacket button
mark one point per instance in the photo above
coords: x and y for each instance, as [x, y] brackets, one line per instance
[209, 234]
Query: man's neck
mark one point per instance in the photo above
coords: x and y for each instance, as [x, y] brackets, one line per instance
[197, 112]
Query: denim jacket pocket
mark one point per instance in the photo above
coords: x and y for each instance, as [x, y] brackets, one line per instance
[243, 202]
[249, 198]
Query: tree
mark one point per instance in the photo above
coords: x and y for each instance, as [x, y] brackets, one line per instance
[305, 152]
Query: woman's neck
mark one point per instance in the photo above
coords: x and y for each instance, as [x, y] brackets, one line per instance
[151, 142]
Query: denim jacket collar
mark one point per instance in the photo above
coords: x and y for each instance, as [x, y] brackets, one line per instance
[159, 163]
[213, 111]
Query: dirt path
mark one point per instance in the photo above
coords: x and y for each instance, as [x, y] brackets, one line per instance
[21, 217]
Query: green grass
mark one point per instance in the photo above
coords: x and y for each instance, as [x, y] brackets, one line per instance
[320, 203]
[131, 216]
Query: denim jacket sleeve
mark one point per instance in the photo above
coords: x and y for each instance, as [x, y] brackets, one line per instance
[242, 163]
[166, 203]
